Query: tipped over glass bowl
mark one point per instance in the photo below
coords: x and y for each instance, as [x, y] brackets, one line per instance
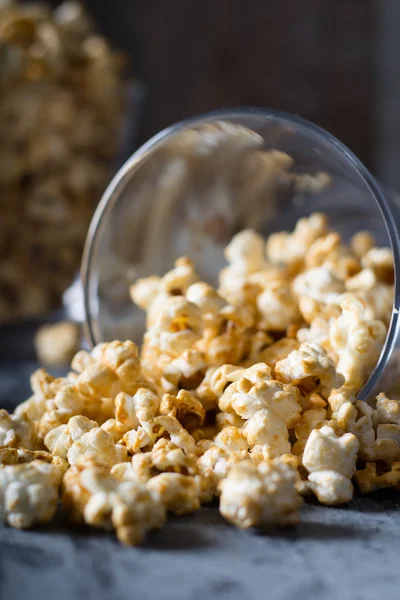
[193, 186]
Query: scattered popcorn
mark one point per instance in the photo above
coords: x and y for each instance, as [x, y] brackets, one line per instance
[246, 394]
[16, 432]
[28, 493]
[98, 498]
[259, 495]
[331, 462]
[357, 342]
[177, 492]
[310, 368]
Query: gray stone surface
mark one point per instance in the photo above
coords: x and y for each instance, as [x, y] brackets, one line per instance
[350, 553]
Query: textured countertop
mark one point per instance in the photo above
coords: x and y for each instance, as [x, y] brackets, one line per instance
[350, 553]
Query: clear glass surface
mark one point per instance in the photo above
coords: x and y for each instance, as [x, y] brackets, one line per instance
[176, 196]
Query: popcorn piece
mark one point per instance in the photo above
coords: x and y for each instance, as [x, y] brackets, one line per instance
[144, 291]
[378, 297]
[170, 426]
[381, 261]
[310, 368]
[213, 467]
[131, 411]
[28, 493]
[96, 444]
[259, 495]
[60, 439]
[290, 248]
[245, 252]
[361, 243]
[330, 487]
[16, 432]
[185, 407]
[206, 298]
[325, 451]
[319, 293]
[110, 368]
[267, 429]
[278, 351]
[231, 439]
[358, 342]
[57, 343]
[330, 461]
[223, 420]
[167, 456]
[177, 327]
[310, 419]
[357, 419]
[98, 498]
[277, 307]
[177, 492]
[369, 479]
[226, 337]
[185, 372]
[248, 398]
[387, 411]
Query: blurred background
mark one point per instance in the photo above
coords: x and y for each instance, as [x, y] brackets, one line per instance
[334, 63]
[82, 86]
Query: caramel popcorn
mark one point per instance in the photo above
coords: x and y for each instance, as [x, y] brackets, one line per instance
[98, 498]
[247, 394]
[259, 495]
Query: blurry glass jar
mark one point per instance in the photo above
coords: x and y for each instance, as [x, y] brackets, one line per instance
[61, 103]
[194, 185]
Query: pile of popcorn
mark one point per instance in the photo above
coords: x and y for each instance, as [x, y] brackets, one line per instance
[61, 103]
[246, 393]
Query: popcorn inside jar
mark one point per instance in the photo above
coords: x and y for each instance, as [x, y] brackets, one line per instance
[248, 393]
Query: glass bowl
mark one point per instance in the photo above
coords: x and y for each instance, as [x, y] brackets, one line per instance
[192, 186]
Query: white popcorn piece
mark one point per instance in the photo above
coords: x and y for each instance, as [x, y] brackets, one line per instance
[361, 243]
[330, 487]
[96, 444]
[330, 461]
[177, 327]
[381, 261]
[386, 410]
[265, 428]
[277, 307]
[245, 252]
[283, 400]
[187, 371]
[357, 418]
[325, 451]
[357, 341]
[310, 368]
[260, 495]
[16, 432]
[178, 493]
[28, 493]
[60, 439]
[132, 411]
[290, 248]
[205, 297]
[319, 292]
